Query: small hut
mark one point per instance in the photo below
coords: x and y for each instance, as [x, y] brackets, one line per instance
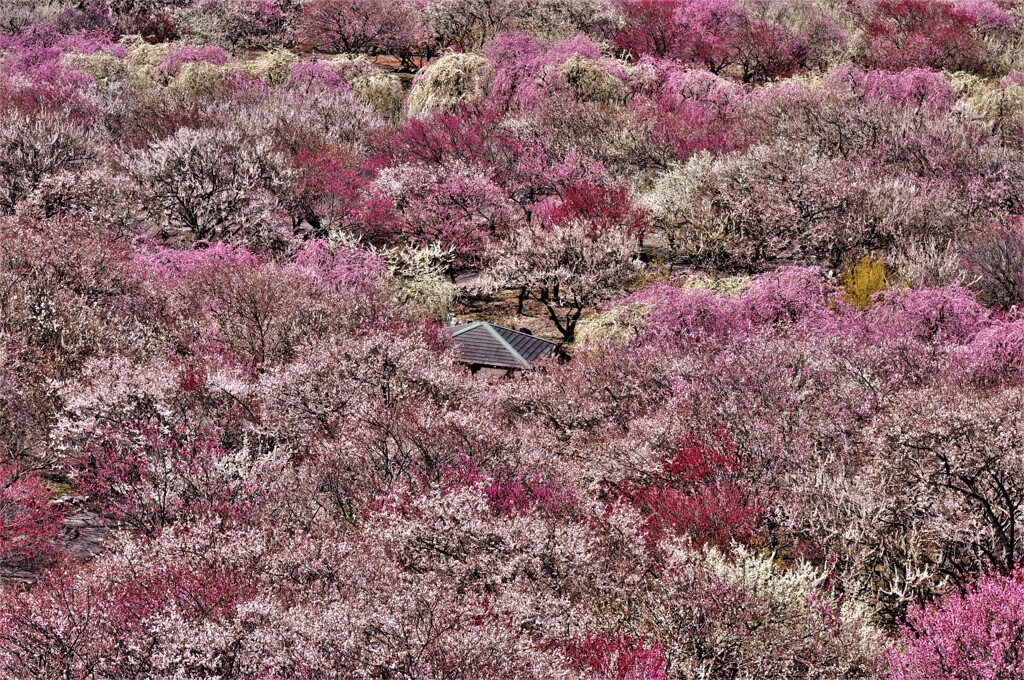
[495, 349]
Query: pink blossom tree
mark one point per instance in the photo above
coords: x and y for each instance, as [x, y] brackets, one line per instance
[214, 183]
[30, 526]
[575, 254]
[38, 147]
[457, 206]
[362, 27]
[972, 635]
[951, 35]
[148, 478]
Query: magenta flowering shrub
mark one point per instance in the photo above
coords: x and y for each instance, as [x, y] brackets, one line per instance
[692, 110]
[914, 87]
[176, 266]
[34, 79]
[788, 297]
[995, 352]
[178, 56]
[618, 657]
[341, 268]
[970, 635]
[948, 315]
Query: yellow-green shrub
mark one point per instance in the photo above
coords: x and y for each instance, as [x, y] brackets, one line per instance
[614, 325]
[144, 60]
[863, 279]
[196, 78]
[273, 67]
[380, 91]
[102, 66]
[452, 79]
[591, 81]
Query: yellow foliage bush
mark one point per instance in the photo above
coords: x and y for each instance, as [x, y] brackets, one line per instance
[382, 92]
[144, 60]
[272, 67]
[452, 79]
[197, 78]
[727, 286]
[863, 279]
[965, 85]
[614, 326]
[102, 66]
[591, 81]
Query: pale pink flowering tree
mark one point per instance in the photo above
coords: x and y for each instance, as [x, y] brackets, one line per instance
[213, 183]
[24, 415]
[743, 615]
[457, 206]
[232, 307]
[576, 252]
[148, 476]
[962, 457]
[38, 147]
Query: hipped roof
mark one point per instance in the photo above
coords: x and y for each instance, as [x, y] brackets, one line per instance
[486, 344]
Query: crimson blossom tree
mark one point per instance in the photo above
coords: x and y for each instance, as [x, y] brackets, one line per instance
[763, 39]
[698, 495]
[29, 524]
[618, 657]
[648, 27]
[362, 26]
[933, 33]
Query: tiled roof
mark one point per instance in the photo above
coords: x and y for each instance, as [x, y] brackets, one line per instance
[485, 344]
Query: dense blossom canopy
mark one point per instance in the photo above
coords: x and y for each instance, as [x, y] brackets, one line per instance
[780, 242]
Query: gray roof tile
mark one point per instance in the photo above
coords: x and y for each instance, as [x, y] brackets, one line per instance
[485, 344]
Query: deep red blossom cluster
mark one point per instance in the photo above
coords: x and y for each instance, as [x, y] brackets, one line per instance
[699, 495]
